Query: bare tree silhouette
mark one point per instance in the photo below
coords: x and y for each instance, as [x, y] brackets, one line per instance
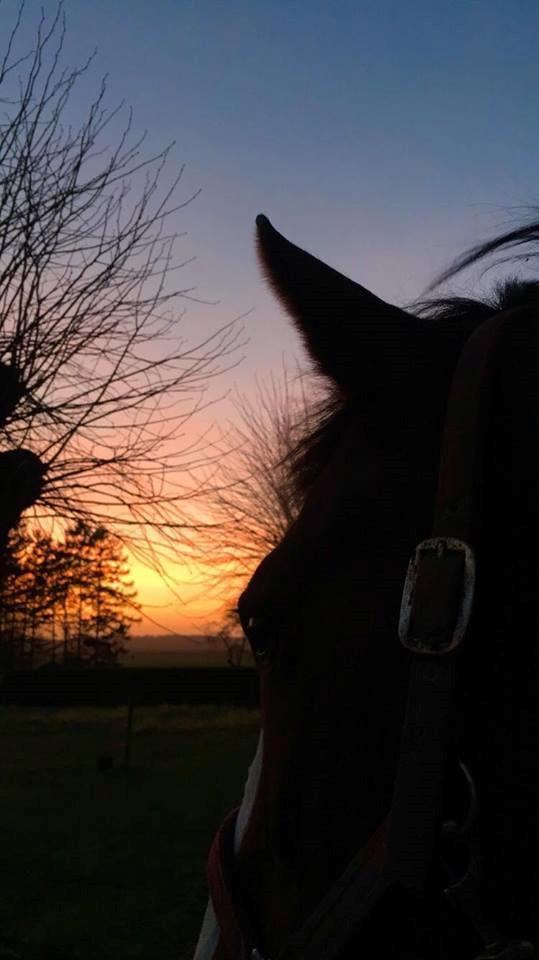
[97, 382]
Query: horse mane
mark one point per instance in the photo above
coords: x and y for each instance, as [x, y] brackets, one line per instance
[326, 419]
[329, 415]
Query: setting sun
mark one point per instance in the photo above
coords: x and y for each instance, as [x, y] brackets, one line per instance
[184, 606]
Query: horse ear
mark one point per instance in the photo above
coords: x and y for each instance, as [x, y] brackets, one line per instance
[351, 334]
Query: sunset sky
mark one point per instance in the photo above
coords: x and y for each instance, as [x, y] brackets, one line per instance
[383, 137]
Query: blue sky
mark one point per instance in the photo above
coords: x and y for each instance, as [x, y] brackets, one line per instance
[383, 137]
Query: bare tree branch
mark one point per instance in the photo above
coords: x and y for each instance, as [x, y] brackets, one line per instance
[89, 318]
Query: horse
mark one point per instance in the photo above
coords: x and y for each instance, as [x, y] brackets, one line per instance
[324, 610]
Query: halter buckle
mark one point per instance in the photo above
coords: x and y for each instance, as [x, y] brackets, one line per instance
[437, 597]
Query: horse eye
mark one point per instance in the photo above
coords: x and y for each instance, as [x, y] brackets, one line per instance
[258, 634]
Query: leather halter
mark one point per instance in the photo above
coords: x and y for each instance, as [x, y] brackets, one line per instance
[436, 606]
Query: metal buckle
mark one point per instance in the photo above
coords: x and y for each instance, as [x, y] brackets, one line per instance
[437, 639]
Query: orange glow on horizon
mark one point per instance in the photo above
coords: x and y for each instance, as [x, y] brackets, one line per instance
[188, 608]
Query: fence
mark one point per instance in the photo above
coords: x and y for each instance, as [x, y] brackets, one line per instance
[106, 686]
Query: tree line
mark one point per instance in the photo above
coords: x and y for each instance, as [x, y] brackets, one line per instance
[68, 600]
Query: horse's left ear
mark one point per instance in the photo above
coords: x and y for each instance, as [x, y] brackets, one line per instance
[353, 336]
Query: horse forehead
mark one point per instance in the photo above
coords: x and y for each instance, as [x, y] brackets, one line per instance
[334, 522]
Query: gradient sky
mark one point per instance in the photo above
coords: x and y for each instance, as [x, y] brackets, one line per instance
[383, 137]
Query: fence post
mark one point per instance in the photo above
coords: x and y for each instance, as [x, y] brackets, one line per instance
[127, 753]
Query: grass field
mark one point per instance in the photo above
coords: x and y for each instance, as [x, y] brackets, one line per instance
[111, 866]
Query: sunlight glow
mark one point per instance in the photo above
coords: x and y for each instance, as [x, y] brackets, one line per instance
[190, 609]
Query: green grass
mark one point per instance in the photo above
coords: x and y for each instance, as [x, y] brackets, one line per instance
[112, 866]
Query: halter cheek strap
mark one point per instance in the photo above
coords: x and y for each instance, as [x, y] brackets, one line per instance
[435, 612]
